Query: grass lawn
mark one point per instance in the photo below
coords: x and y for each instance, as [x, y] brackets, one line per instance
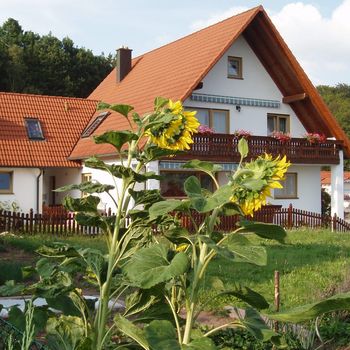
[312, 265]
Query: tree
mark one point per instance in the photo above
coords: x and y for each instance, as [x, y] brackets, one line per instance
[31, 63]
[338, 100]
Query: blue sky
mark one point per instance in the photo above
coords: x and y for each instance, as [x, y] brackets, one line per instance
[316, 31]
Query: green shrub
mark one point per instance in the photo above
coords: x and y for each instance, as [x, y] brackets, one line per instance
[241, 339]
[336, 330]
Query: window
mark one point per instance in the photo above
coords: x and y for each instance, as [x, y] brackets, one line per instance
[94, 125]
[6, 182]
[290, 187]
[234, 67]
[34, 129]
[216, 119]
[277, 122]
[85, 178]
[173, 183]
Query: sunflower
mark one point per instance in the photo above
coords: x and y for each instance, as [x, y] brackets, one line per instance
[265, 173]
[176, 131]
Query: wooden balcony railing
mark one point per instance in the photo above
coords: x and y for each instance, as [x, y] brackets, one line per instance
[223, 147]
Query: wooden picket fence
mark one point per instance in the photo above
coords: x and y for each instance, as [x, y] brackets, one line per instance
[289, 218]
[295, 218]
[60, 222]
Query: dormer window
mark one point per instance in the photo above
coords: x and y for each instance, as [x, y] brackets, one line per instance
[34, 129]
[95, 124]
[234, 67]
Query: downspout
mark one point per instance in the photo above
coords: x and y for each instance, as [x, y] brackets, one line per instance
[38, 189]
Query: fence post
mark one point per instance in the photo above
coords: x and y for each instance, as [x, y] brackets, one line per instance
[334, 222]
[277, 297]
[290, 216]
[31, 219]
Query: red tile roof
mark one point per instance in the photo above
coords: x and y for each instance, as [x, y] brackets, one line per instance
[62, 120]
[326, 177]
[174, 70]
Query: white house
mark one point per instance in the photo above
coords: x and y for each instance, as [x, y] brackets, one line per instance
[37, 133]
[238, 74]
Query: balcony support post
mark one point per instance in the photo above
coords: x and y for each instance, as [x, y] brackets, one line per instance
[337, 187]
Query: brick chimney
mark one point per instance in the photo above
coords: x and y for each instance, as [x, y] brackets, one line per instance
[123, 63]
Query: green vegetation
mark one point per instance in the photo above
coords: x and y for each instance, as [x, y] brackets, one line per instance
[17, 252]
[161, 278]
[240, 339]
[312, 264]
[30, 63]
[338, 100]
[31, 243]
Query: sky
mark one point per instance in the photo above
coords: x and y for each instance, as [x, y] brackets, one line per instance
[317, 31]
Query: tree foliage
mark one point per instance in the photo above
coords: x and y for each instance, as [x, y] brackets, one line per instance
[30, 63]
[338, 100]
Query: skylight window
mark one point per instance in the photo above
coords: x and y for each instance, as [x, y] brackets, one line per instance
[95, 124]
[34, 129]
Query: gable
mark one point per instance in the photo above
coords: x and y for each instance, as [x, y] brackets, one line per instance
[256, 85]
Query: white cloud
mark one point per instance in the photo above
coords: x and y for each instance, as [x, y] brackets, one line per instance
[62, 17]
[321, 44]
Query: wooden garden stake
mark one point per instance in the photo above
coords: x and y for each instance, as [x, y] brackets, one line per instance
[277, 297]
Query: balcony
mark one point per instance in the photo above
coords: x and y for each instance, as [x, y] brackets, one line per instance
[223, 148]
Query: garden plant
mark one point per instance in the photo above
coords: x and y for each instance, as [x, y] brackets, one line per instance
[154, 264]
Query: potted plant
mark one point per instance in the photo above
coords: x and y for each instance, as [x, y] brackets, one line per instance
[315, 138]
[281, 136]
[205, 129]
[242, 134]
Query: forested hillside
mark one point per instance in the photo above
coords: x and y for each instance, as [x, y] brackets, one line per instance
[338, 101]
[46, 65]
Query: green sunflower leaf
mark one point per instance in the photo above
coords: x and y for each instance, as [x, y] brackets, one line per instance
[206, 167]
[150, 266]
[121, 109]
[269, 231]
[161, 335]
[116, 138]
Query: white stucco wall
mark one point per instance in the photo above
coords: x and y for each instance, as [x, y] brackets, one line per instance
[309, 189]
[256, 83]
[105, 178]
[24, 188]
